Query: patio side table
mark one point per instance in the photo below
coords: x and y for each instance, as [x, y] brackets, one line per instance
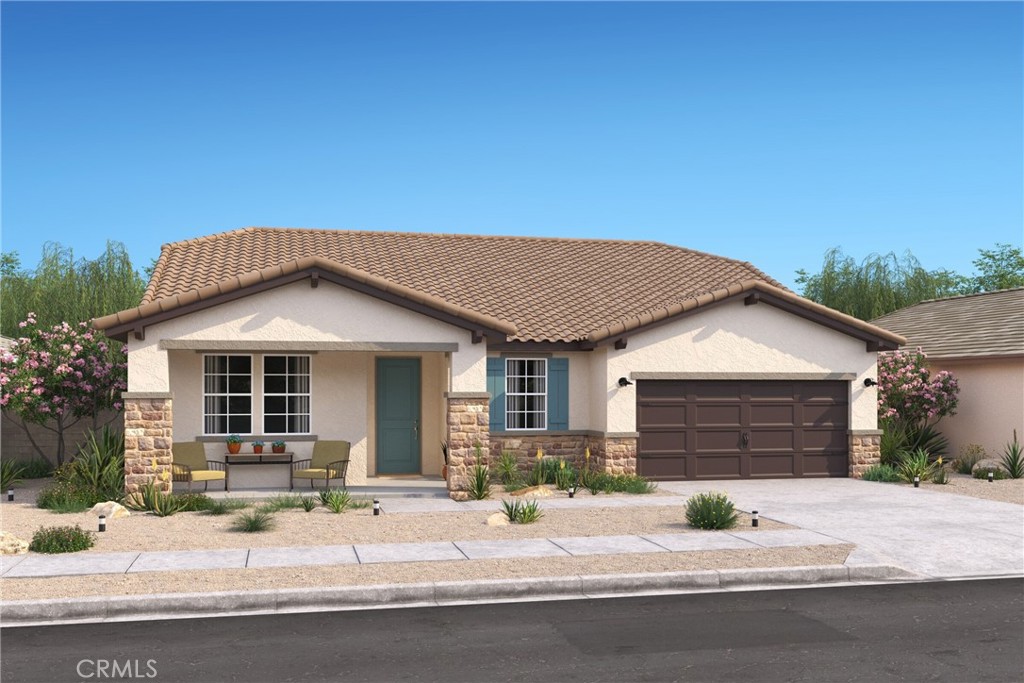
[239, 459]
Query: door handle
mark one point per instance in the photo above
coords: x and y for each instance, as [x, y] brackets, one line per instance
[746, 439]
[416, 428]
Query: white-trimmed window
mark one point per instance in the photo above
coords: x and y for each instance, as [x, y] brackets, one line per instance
[286, 394]
[526, 393]
[227, 394]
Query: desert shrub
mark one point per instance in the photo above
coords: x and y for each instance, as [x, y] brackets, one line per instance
[308, 503]
[508, 468]
[99, 464]
[711, 511]
[253, 521]
[361, 503]
[521, 512]
[604, 482]
[915, 464]
[970, 454]
[883, 473]
[1013, 458]
[11, 472]
[36, 468]
[336, 500]
[61, 539]
[65, 497]
[194, 502]
[287, 501]
[480, 482]
[151, 499]
[565, 475]
[997, 473]
[223, 507]
[940, 476]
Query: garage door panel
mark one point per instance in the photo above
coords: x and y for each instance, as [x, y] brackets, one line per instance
[695, 429]
[708, 441]
[718, 467]
[767, 415]
[823, 415]
[662, 442]
[661, 415]
[777, 465]
[716, 415]
[672, 467]
[775, 440]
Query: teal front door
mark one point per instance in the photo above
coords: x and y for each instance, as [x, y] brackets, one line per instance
[398, 416]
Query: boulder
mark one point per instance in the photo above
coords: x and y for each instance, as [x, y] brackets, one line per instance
[538, 491]
[110, 510]
[11, 544]
[498, 519]
[989, 464]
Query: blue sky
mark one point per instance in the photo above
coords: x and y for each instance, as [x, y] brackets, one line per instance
[767, 132]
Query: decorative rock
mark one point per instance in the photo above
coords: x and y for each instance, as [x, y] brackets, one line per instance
[539, 491]
[497, 519]
[989, 464]
[110, 510]
[11, 544]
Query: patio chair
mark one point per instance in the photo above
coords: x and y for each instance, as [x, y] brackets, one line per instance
[189, 463]
[329, 461]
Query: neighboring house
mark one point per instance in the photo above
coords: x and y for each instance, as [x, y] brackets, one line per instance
[662, 360]
[980, 339]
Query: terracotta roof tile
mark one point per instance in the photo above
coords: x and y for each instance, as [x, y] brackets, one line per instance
[539, 289]
[988, 324]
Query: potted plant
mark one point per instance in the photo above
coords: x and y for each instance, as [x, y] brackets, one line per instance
[257, 446]
[234, 442]
[277, 446]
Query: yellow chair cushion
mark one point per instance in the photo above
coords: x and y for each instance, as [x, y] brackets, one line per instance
[311, 473]
[207, 475]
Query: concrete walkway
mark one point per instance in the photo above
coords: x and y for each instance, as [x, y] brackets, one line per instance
[34, 565]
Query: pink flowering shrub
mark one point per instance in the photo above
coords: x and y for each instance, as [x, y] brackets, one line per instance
[909, 394]
[58, 376]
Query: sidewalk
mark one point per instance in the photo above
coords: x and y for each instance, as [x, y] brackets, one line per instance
[33, 565]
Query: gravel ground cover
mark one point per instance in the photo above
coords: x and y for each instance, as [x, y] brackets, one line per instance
[1003, 490]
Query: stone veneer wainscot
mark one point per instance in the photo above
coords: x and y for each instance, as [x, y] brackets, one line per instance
[148, 434]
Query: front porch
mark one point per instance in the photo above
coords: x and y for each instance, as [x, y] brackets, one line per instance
[416, 487]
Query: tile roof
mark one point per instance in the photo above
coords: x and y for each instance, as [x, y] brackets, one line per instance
[533, 288]
[988, 324]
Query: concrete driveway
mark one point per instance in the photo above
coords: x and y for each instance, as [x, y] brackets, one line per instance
[936, 534]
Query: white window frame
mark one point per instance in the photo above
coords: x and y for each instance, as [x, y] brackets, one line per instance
[286, 394]
[509, 394]
[227, 393]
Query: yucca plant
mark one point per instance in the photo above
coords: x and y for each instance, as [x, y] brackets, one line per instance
[565, 475]
[915, 464]
[99, 464]
[519, 512]
[308, 503]
[480, 482]
[336, 500]
[10, 473]
[150, 499]
[508, 467]
[1013, 458]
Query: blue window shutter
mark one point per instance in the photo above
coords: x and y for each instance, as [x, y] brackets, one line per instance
[496, 388]
[558, 393]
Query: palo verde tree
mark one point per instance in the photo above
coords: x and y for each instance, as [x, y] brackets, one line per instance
[58, 375]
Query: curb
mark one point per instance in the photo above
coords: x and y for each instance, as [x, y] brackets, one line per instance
[191, 605]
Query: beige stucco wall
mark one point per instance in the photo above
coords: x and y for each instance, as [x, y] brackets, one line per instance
[734, 338]
[297, 312]
[343, 391]
[991, 403]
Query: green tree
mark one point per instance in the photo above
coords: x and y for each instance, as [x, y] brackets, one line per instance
[879, 284]
[998, 268]
[65, 289]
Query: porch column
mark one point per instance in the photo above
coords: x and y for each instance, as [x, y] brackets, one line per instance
[865, 450]
[468, 428]
[148, 434]
[614, 453]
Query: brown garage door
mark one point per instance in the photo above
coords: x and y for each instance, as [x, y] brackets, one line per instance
[693, 429]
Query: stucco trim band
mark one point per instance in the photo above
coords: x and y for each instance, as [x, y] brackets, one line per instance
[865, 432]
[242, 345]
[803, 376]
[467, 394]
[143, 395]
[214, 438]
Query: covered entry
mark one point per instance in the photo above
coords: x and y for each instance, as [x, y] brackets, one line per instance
[726, 429]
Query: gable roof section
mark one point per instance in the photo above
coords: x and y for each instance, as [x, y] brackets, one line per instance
[529, 289]
[971, 326]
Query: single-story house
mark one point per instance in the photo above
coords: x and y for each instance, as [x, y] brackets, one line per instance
[980, 339]
[660, 360]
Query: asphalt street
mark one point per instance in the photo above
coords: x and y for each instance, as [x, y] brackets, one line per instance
[942, 631]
